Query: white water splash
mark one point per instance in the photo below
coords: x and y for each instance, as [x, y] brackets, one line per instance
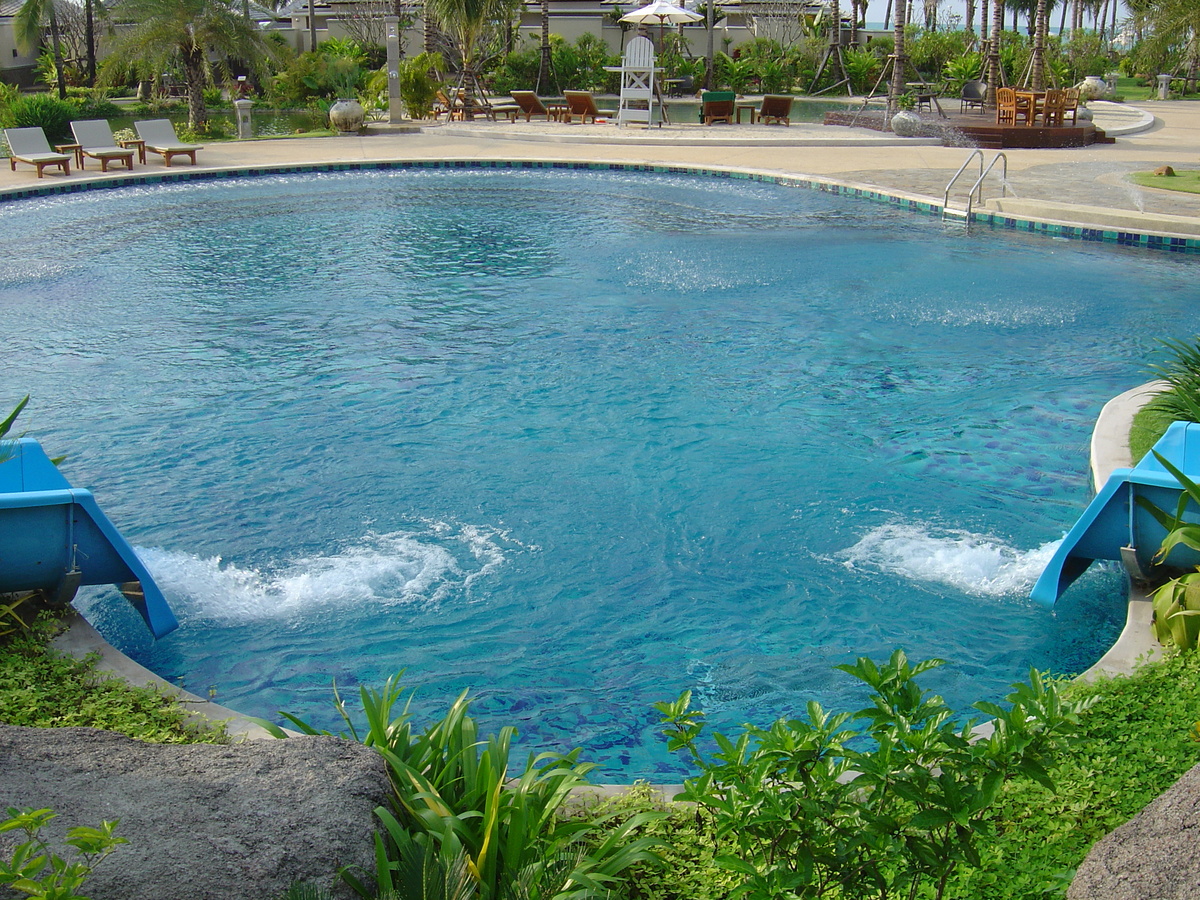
[380, 570]
[973, 563]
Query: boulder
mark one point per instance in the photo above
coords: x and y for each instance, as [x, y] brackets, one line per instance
[1165, 170]
[1153, 855]
[204, 822]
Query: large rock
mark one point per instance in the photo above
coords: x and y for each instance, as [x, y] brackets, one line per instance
[204, 822]
[1153, 856]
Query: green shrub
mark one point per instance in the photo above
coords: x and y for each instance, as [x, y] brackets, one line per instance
[43, 111]
[862, 67]
[418, 89]
[456, 800]
[34, 869]
[95, 108]
[804, 813]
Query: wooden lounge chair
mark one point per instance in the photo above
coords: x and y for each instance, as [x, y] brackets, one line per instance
[717, 106]
[159, 135]
[973, 94]
[95, 139]
[531, 105]
[29, 145]
[582, 104]
[777, 107]
[451, 108]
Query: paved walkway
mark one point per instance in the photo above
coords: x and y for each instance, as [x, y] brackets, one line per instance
[1093, 176]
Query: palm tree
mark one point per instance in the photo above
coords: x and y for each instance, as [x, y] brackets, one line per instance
[27, 29]
[468, 24]
[187, 32]
[1176, 23]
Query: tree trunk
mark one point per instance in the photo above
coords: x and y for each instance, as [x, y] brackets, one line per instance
[899, 60]
[543, 76]
[970, 23]
[983, 19]
[1062, 20]
[994, 76]
[312, 25]
[89, 30]
[193, 71]
[430, 40]
[710, 23]
[58, 60]
[887, 16]
[1038, 69]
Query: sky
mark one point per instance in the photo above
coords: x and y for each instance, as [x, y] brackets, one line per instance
[876, 9]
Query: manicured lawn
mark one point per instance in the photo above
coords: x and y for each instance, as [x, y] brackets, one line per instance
[1186, 180]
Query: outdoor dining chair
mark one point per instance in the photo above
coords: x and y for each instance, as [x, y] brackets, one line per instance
[973, 94]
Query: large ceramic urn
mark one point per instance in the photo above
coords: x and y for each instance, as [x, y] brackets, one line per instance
[346, 116]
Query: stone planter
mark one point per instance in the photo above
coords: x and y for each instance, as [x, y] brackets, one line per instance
[346, 116]
[906, 123]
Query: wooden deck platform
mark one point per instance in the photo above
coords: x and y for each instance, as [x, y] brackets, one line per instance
[974, 130]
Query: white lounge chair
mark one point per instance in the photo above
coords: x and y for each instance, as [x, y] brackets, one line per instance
[29, 145]
[95, 139]
[159, 135]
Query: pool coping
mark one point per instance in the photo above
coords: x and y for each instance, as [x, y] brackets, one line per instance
[1041, 221]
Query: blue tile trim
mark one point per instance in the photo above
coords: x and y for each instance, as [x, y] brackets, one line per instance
[994, 220]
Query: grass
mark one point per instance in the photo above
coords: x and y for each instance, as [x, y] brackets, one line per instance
[1129, 91]
[41, 688]
[1185, 180]
[1149, 424]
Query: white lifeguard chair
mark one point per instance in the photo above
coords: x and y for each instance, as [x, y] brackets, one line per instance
[639, 87]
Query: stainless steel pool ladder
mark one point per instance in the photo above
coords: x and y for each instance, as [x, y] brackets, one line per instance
[976, 193]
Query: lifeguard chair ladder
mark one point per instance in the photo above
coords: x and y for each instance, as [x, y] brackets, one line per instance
[638, 86]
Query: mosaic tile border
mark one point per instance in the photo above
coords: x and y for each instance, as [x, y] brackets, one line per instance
[912, 204]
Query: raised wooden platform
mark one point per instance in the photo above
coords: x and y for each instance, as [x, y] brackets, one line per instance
[965, 130]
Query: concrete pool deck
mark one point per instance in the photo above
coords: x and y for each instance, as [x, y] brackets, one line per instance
[1083, 186]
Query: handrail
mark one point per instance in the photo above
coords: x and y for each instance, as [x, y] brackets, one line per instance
[977, 187]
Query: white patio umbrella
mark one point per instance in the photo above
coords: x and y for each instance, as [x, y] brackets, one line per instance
[660, 13]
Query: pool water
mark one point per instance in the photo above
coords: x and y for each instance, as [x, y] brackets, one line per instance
[577, 440]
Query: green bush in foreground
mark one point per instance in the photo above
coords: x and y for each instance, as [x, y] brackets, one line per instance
[35, 870]
[460, 807]
[41, 688]
[803, 812]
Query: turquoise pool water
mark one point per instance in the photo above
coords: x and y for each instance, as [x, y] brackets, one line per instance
[576, 440]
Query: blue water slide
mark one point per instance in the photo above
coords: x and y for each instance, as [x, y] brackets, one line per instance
[54, 537]
[1114, 525]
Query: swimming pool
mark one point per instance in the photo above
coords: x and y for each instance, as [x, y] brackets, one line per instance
[577, 440]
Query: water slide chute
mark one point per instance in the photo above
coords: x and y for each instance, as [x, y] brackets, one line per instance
[1115, 526]
[54, 538]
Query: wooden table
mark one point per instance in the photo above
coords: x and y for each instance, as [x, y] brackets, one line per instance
[747, 107]
[138, 145]
[77, 149]
[1033, 104]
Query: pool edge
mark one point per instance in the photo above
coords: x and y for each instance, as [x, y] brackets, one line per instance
[1054, 228]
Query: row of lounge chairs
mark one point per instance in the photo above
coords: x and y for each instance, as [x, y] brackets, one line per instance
[715, 106]
[94, 139]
